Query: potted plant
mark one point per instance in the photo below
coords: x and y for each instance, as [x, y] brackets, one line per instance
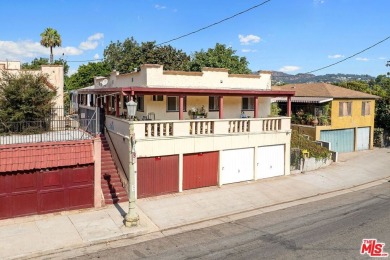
[314, 122]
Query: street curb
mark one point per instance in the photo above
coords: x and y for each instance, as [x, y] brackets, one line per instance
[142, 236]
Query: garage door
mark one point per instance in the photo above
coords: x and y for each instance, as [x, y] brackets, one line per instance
[157, 175]
[200, 170]
[363, 138]
[341, 140]
[237, 165]
[270, 161]
[38, 192]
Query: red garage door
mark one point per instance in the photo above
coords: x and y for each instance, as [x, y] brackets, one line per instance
[38, 192]
[157, 176]
[200, 170]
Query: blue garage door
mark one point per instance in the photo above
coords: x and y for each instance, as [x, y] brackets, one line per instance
[363, 138]
[341, 140]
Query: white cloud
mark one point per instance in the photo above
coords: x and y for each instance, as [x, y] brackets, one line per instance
[27, 49]
[248, 50]
[318, 2]
[382, 58]
[96, 56]
[362, 59]
[159, 7]
[336, 56]
[249, 39]
[92, 42]
[21, 49]
[289, 68]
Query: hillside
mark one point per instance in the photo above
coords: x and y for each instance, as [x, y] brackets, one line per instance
[284, 78]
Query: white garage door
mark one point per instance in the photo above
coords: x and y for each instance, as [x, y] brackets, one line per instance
[270, 161]
[237, 165]
[363, 138]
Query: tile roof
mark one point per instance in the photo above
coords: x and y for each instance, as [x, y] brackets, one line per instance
[317, 100]
[323, 90]
[20, 157]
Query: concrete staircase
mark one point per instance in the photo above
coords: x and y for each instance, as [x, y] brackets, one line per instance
[112, 187]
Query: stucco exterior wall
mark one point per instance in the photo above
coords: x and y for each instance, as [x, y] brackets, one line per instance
[356, 119]
[55, 74]
[209, 78]
[10, 65]
[232, 107]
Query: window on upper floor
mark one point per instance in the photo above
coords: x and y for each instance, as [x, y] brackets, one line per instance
[345, 109]
[248, 103]
[366, 108]
[213, 103]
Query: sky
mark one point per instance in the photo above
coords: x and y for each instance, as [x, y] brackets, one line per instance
[292, 36]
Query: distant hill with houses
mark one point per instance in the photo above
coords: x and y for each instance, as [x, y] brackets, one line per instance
[279, 78]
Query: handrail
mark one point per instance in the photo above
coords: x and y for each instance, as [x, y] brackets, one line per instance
[116, 153]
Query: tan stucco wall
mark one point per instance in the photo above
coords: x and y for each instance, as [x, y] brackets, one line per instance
[232, 107]
[154, 76]
[55, 74]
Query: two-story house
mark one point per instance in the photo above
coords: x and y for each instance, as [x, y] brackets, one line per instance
[325, 112]
[194, 129]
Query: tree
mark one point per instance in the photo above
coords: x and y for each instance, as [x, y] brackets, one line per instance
[24, 97]
[50, 38]
[380, 87]
[85, 74]
[129, 55]
[37, 63]
[220, 57]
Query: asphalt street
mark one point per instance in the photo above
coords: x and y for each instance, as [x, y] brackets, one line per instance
[327, 229]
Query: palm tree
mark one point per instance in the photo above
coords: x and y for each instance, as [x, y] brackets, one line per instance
[50, 38]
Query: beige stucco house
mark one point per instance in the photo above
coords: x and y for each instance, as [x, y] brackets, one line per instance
[193, 129]
[55, 74]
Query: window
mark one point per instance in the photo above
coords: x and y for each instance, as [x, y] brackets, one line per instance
[173, 103]
[366, 108]
[345, 108]
[158, 98]
[213, 103]
[248, 103]
[140, 103]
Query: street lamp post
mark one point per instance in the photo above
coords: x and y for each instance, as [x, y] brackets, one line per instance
[132, 217]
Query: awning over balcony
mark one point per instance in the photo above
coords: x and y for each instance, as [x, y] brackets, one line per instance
[316, 100]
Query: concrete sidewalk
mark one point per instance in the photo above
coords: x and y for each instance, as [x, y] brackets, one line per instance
[34, 236]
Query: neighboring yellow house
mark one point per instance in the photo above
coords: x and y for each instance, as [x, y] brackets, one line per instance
[325, 112]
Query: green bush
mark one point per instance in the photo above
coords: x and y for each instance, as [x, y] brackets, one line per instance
[315, 150]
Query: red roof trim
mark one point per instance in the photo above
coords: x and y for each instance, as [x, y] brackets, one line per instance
[193, 92]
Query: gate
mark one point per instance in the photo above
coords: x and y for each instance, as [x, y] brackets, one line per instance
[91, 119]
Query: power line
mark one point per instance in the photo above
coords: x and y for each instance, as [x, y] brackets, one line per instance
[213, 24]
[201, 29]
[84, 60]
[347, 58]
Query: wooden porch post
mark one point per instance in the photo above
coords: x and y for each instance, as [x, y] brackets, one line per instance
[181, 107]
[256, 113]
[220, 107]
[98, 101]
[117, 98]
[106, 104]
[289, 106]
